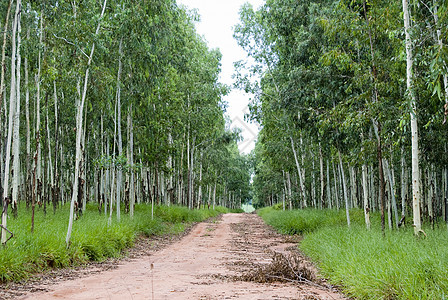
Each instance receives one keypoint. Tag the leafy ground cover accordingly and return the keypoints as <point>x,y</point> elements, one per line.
<point>94,237</point>
<point>368,264</point>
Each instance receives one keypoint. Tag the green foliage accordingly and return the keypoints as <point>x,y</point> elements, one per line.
<point>94,238</point>
<point>323,72</point>
<point>368,264</point>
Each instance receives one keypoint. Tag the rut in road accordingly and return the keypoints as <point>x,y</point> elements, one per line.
<point>237,257</point>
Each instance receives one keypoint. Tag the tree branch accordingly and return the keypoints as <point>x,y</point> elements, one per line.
<point>70,43</point>
<point>12,234</point>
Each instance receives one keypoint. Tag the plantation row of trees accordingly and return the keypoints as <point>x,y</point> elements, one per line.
<point>112,101</point>
<point>352,97</point>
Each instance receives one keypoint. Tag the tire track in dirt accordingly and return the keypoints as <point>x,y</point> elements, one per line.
<point>227,259</point>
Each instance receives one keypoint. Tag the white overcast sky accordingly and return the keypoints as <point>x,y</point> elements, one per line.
<point>218,17</point>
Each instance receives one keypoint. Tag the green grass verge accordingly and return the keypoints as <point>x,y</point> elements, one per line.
<point>366,264</point>
<point>94,238</point>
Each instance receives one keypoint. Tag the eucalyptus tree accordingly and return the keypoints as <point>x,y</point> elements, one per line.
<point>14,109</point>
<point>79,129</point>
<point>414,126</point>
<point>117,64</point>
<point>330,73</point>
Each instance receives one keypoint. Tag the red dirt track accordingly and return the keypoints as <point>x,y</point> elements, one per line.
<point>208,263</point>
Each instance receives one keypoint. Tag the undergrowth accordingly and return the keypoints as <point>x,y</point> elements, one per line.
<point>368,264</point>
<point>94,236</point>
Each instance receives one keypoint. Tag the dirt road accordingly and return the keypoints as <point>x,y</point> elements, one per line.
<point>232,258</point>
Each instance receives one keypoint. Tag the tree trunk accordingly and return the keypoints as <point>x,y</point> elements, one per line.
<point>299,172</point>
<point>38,162</point>
<point>16,132</point>
<point>344,187</point>
<point>2,95</point>
<point>214,196</point>
<point>131,162</point>
<point>393,202</point>
<point>200,183</point>
<point>377,129</point>
<point>12,110</point>
<point>336,194</point>
<point>191,178</point>
<point>365,196</point>
<point>404,186</point>
<point>28,132</point>
<point>120,142</point>
<point>56,147</point>
<point>414,126</point>
<point>80,109</point>
<point>322,178</point>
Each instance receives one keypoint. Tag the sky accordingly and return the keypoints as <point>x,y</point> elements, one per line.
<point>216,26</point>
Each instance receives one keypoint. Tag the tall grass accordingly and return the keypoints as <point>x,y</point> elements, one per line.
<point>368,264</point>
<point>308,220</point>
<point>94,237</point>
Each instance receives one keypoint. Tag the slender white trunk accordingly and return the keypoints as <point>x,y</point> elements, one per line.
<point>403,184</point>
<point>49,147</point>
<point>38,80</point>
<point>152,205</point>
<point>112,168</point>
<point>82,171</point>
<point>188,171</point>
<point>12,110</point>
<point>365,190</point>
<point>131,163</point>
<point>16,137</point>
<point>365,196</point>
<point>120,142</point>
<point>191,178</point>
<point>28,130</point>
<point>344,187</point>
<point>200,183</point>
<point>414,126</point>
<point>299,172</point>
<point>56,132</point>
<point>431,193</point>
<point>214,196</point>
<point>336,194</point>
<point>170,167</point>
<point>80,109</point>
<point>392,201</point>
<point>180,177</point>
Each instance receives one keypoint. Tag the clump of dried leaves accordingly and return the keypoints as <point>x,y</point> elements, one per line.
<point>283,268</point>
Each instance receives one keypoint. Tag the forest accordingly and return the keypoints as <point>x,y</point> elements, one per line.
<point>114,103</point>
<point>352,99</point>
<point>113,127</point>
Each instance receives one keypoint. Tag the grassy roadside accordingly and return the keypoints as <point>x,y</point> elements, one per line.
<point>93,237</point>
<point>365,263</point>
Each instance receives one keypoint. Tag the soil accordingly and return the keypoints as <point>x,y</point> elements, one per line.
<point>235,257</point>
